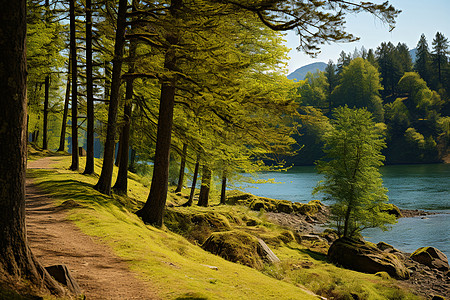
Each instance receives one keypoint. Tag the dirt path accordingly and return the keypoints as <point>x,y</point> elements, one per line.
<point>54,240</point>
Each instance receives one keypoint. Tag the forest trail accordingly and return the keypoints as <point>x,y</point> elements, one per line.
<point>55,240</point>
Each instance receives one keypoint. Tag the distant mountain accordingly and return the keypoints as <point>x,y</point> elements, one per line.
<point>300,73</point>
<point>413,54</point>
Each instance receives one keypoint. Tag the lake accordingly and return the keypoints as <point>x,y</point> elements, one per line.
<point>425,187</point>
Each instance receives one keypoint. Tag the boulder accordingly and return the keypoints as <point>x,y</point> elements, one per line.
<point>385,247</point>
<point>392,210</point>
<point>363,257</point>
<point>240,247</point>
<point>431,257</point>
<point>61,274</point>
<point>285,206</point>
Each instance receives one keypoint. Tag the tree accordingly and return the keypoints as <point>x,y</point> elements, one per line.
<point>389,67</point>
<point>16,259</point>
<point>104,182</point>
<point>182,167</point>
<point>313,25</point>
<point>440,52</point>
<point>352,179</point>
<point>359,87</point>
<point>422,65</point>
<point>332,78</point>
<point>89,168</point>
<point>73,51</point>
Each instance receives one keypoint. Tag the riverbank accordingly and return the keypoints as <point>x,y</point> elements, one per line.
<point>425,281</point>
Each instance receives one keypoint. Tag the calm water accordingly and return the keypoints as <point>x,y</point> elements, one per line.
<point>425,187</point>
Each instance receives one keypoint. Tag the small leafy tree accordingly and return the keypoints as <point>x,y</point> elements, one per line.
<point>352,179</point>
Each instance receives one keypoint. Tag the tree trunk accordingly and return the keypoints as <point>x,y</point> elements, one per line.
<point>153,210</point>
<point>347,221</point>
<point>194,183</point>
<point>73,52</point>
<point>62,139</point>
<point>46,95</point>
<point>89,169</point>
<point>104,183</point>
<point>182,167</point>
<point>132,165</point>
<point>16,259</point>
<point>121,184</point>
<point>223,193</point>
<point>119,150</point>
<point>203,198</point>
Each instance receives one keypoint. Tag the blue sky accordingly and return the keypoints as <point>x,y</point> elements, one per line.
<point>417,17</point>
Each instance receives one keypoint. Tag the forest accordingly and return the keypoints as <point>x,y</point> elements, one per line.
<point>409,99</point>
<point>195,91</point>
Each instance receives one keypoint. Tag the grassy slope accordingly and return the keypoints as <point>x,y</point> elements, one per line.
<point>177,268</point>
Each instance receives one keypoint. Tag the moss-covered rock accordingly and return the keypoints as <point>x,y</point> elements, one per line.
<point>195,226</point>
<point>285,206</point>
<point>309,209</point>
<point>392,210</point>
<point>431,257</point>
<point>236,246</point>
<point>286,236</point>
<point>363,257</point>
<point>266,204</point>
<point>385,247</point>
<point>238,197</point>
<point>383,275</point>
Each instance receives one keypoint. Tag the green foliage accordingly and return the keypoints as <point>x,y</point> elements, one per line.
<point>359,88</point>
<point>352,180</point>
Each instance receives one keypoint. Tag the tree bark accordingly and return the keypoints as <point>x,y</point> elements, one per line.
<point>16,259</point>
<point>119,150</point>
<point>104,183</point>
<point>194,183</point>
<point>89,168</point>
<point>46,95</point>
<point>132,165</point>
<point>121,185</point>
<point>182,167</point>
<point>153,210</point>
<point>223,193</point>
<point>62,139</point>
<point>73,52</point>
<point>203,198</point>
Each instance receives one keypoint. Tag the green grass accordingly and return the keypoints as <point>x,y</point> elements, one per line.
<point>178,268</point>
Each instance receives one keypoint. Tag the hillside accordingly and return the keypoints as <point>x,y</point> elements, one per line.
<point>171,260</point>
<point>300,73</point>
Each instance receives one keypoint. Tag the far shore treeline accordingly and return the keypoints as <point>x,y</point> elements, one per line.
<point>409,98</point>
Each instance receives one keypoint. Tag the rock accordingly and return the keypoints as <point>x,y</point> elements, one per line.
<point>330,235</point>
<point>211,267</point>
<point>267,253</point>
<point>310,209</point>
<point>385,247</point>
<point>285,207</point>
<point>363,257</point>
<point>236,246</point>
<point>392,210</point>
<point>61,274</point>
<point>437,297</point>
<point>313,238</point>
<point>431,257</point>
<point>383,275</point>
